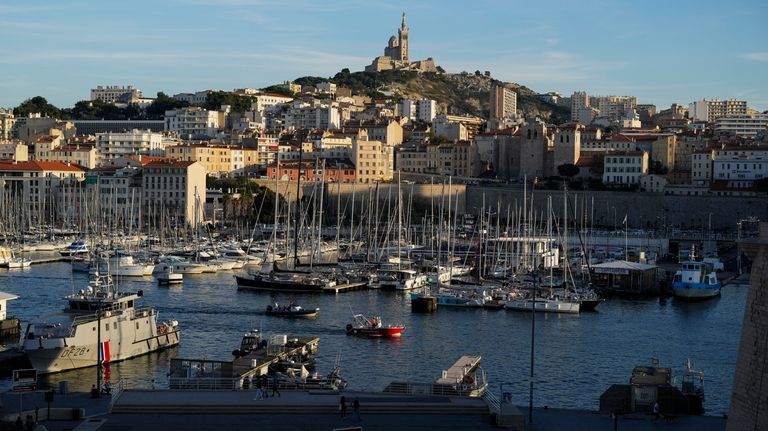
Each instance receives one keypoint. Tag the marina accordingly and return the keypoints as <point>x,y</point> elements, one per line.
<point>212,314</point>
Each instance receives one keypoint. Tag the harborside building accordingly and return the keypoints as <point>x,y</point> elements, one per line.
<point>33,184</point>
<point>173,189</point>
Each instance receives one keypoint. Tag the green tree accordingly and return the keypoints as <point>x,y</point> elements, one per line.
<point>568,170</point>
<point>37,104</point>
<point>657,168</point>
<point>237,103</point>
<point>162,103</point>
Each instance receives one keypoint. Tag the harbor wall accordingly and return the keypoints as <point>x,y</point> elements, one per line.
<point>749,400</point>
<point>604,208</point>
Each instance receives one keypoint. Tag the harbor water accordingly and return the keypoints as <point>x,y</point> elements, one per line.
<point>577,357</point>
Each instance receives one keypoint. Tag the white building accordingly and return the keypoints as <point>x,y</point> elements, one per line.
<point>701,167</point>
<point>14,151</point>
<point>747,126</point>
<point>374,161</point>
<point>503,103</point>
<point>313,116</point>
<point>7,120</point>
<point>567,144</point>
<point>740,166</point>
<point>115,93</point>
<point>631,120</point>
<point>113,145</point>
<point>579,100</point>
<point>196,98</point>
<point>710,110</point>
<point>622,169</point>
<point>422,109</point>
<point>326,87</point>
<point>192,122</point>
<point>174,189</point>
<point>653,183</point>
<point>269,101</point>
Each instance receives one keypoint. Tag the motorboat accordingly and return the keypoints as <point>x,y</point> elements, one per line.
<point>99,325</point>
<point>696,281</point>
<point>373,327</point>
<point>290,310</point>
<point>398,279</point>
<point>547,305</point>
<point>169,276</point>
<point>75,248</point>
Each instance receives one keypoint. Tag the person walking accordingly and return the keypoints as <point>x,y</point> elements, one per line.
<point>275,383</point>
<point>342,406</point>
<point>257,384</point>
<point>356,409</point>
<point>656,411</point>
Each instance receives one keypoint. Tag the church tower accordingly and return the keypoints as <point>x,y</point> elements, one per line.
<point>403,39</point>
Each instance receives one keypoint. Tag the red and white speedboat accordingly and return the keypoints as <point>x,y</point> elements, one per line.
<point>373,327</point>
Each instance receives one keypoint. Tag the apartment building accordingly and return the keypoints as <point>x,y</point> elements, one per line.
<point>193,122</point>
<point>115,93</point>
<point>746,126</point>
<point>215,159</point>
<point>710,110</point>
<point>503,102</point>
<point>35,183</point>
<point>14,151</point>
<point>145,142</point>
<point>374,160</point>
<point>623,169</point>
<point>174,189</point>
<point>739,167</point>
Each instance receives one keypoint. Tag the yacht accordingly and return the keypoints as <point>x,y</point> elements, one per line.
<point>76,248</point>
<point>99,324</point>
<point>546,305</point>
<point>398,279</point>
<point>179,265</point>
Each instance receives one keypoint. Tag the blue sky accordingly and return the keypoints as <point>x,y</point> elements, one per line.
<point>660,51</point>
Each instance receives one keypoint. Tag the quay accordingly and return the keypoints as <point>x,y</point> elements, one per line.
<point>163,410</point>
<point>349,287</point>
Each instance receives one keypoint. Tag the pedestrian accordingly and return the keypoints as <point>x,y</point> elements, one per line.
<point>656,411</point>
<point>94,392</point>
<point>257,384</point>
<point>275,382</point>
<point>356,409</point>
<point>264,386</point>
<point>342,406</point>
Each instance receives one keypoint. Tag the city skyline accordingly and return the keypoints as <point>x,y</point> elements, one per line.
<point>662,53</point>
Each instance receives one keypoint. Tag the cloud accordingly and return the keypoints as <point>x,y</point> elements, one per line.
<point>755,56</point>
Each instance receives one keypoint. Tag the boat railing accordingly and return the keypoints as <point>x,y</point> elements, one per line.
<point>436,389</point>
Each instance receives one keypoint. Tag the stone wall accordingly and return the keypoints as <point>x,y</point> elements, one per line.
<point>643,210</point>
<point>749,401</point>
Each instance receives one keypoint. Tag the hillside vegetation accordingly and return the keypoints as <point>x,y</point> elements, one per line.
<point>456,93</point>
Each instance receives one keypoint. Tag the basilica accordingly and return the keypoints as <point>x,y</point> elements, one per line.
<point>396,55</point>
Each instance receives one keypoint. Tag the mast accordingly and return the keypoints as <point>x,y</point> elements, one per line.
<point>298,205</point>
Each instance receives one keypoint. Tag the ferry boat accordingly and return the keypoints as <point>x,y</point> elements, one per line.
<point>696,281</point>
<point>99,322</point>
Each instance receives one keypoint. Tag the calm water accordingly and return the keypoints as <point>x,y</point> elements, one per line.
<point>577,357</point>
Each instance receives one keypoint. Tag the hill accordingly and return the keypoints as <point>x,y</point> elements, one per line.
<point>456,93</point>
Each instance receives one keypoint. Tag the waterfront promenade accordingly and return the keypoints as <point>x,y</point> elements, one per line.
<point>203,410</point>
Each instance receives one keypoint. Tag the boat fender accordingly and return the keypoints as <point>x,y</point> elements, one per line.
<point>162,329</point>
<point>349,328</point>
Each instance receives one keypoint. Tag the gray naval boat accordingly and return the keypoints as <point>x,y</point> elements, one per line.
<point>99,322</point>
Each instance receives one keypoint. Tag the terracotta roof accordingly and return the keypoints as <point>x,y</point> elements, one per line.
<point>46,139</point>
<point>39,166</point>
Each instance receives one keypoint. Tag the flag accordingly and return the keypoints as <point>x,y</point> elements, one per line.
<point>104,346</point>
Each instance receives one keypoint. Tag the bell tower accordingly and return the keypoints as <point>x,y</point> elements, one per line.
<point>402,34</point>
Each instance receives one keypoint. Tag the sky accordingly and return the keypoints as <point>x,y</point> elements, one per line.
<point>663,52</point>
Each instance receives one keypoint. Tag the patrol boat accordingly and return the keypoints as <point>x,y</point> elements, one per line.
<point>696,281</point>
<point>99,322</point>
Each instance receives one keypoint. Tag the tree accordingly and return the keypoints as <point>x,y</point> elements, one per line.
<point>162,103</point>
<point>37,104</point>
<point>215,99</point>
<point>568,170</point>
<point>657,168</point>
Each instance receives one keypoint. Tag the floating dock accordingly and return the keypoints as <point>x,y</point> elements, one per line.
<point>194,374</point>
<point>340,288</point>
